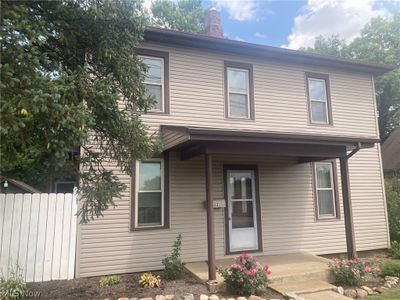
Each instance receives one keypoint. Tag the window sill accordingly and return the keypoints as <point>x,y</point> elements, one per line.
<point>330,219</point>
<point>239,119</point>
<point>156,113</point>
<point>148,228</point>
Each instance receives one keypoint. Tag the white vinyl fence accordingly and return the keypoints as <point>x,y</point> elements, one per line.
<point>38,233</point>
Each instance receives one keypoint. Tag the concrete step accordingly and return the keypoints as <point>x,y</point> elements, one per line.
<point>320,274</point>
<point>324,295</point>
<point>301,287</point>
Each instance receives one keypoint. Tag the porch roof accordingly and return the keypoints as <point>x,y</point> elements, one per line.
<point>193,141</point>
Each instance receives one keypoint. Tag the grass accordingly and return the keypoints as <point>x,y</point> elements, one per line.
<point>393,294</point>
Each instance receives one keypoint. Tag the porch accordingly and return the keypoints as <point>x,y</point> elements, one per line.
<point>285,268</point>
<point>209,144</point>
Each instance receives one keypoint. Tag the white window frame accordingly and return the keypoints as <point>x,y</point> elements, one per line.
<point>332,188</point>
<point>137,191</point>
<point>161,59</point>
<point>229,93</point>
<point>318,100</point>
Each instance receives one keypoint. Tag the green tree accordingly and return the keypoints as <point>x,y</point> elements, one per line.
<point>182,15</point>
<point>379,43</point>
<point>393,205</point>
<point>70,79</point>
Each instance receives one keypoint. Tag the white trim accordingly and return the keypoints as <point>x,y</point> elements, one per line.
<point>318,100</point>
<point>137,178</point>
<point>230,201</point>
<point>162,83</point>
<point>332,188</point>
<point>247,94</point>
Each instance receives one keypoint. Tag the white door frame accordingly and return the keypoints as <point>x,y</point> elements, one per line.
<point>254,242</point>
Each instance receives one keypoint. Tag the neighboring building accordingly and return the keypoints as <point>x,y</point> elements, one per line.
<point>283,144</point>
<point>8,185</point>
<point>391,153</point>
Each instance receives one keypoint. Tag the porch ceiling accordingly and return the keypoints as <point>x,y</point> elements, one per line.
<point>193,141</point>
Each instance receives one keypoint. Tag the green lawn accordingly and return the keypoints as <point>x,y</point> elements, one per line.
<point>393,294</point>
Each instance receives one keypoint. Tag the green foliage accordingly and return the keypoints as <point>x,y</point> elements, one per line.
<point>391,268</point>
<point>70,79</point>
<point>174,267</point>
<point>349,272</point>
<point>148,280</point>
<point>395,249</point>
<point>393,206</point>
<point>379,43</point>
<point>14,287</point>
<point>246,276</point>
<point>109,280</point>
<point>182,15</point>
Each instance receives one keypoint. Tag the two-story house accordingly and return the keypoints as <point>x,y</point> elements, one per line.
<point>265,150</point>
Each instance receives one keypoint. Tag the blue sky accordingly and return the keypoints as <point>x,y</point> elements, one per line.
<point>297,23</point>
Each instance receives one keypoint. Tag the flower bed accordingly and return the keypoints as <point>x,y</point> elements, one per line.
<point>246,276</point>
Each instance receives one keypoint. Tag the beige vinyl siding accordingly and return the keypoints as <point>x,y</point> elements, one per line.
<point>287,206</point>
<point>280,98</point>
<point>106,246</point>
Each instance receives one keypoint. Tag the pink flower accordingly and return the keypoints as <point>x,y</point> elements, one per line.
<point>236,266</point>
<point>244,254</point>
<point>267,270</point>
<point>356,272</point>
<point>367,269</point>
<point>247,272</point>
<point>243,260</point>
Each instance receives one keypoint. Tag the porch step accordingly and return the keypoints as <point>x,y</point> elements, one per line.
<point>302,287</point>
<point>324,295</point>
<point>299,277</point>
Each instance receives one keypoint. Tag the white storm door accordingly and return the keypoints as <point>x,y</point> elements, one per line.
<point>242,216</point>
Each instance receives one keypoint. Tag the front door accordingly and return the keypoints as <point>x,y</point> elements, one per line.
<point>242,210</point>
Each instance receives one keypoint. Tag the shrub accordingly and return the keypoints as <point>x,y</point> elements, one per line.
<point>14,287</point>
<point>395,249</point>
<point>174,267</point>
<point>391,268</point>
<point>109,280</point>
<point>393,206</point>
<point>246,276</point>
<point>349,272</point>
<point>148,280</point>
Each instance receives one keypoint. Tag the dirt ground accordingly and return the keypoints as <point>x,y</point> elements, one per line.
<point>89,288</point>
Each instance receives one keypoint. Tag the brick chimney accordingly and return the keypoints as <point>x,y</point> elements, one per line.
<point>212,23</point>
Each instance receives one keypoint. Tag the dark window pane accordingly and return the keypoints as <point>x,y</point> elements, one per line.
<point>149,176</point>
<point>154,72</point>
<point>156,92</point>
<point>242,214</point>
<point>238,105</point>
<point>242,187</point>
<point>325,203</point>
<point>317,89</point>
<point>323,176</point>
<point>149,208</point>
<point>318,112</point>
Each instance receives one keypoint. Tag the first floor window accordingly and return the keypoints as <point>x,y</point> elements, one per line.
<point>149,193</point>
<point>325,190</point>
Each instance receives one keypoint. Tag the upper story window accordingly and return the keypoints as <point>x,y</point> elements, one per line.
<point>239,102</point>
<point>325,190</point>
<point>157,78</point>
<point>319,98</point>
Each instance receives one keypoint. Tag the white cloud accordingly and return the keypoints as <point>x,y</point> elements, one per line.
<point>260,35</point>
<point>327,17</point>
<point>238,38</point>
<point>240,10</point>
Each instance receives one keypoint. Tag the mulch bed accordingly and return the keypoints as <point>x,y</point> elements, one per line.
<point>89,288</point>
